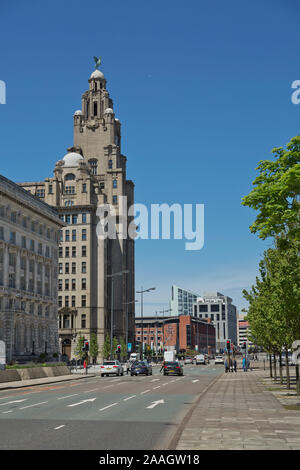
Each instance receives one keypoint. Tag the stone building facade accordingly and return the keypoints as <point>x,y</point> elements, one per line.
<point>91,174</point>
<point>29,231</point>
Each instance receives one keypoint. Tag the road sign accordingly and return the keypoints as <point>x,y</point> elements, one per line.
<point>129,346</point>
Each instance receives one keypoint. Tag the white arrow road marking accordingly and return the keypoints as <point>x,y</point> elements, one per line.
<point>109,406</point>
<point>15,401</point>
<point>30,406</point>
<point>193,381</point>
<point>155,403</point>
<point>82,401</point>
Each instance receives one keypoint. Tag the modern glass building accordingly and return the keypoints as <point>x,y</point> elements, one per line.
<point>182,301</point>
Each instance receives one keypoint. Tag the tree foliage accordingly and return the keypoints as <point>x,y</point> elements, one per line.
<point>276,194</point>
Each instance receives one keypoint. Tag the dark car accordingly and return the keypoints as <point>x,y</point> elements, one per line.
<point>141,367</point>
<point>173,368</point>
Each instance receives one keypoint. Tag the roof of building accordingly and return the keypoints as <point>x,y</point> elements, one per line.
<point>72,159</point>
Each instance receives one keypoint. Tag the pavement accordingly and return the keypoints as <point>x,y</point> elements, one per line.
<point>42,381</point>
<point>244,410</point>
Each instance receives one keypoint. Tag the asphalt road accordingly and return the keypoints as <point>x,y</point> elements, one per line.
<point>121,413</point>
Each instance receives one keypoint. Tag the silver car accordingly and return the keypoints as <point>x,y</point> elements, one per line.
<point>111,367</point>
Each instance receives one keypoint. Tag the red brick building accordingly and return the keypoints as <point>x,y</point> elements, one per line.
<point>181,333</point>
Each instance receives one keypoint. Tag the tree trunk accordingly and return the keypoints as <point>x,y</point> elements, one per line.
<point>297,380</point>
<point>270,362</point>
<point>280,369</point>
<point>288,382</point>
<point>275,370</point>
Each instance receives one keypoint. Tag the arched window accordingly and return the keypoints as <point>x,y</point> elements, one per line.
<point>93,164</point>
<point>70,177</point>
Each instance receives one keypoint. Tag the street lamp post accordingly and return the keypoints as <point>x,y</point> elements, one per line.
<point>142,312</point>
<point>112,276</point>
<point>126,328</point>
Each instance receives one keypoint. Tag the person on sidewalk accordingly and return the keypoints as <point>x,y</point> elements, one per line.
<point>226,366</point>
<point>128,365</point>
<point>162,366</point>
<point>234,365</point>
<point>244,365</point>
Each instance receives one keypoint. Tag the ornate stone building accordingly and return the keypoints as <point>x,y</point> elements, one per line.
<point>92,173</point>
<point>29,231</point>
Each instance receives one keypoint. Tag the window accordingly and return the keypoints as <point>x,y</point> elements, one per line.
<point>73,251</point>
<point>83,321</point>
<point>115,200</point>
<point>67,253</point>
<point>73,284</point>
<point>83,284</point>
<point>68,219</point>
<point>60,301</point>
<point>50,189</point>
<point>67,268</point>
<point>74,219</point>
<point>83,234</point>
<point>203,308</point>
<point>67,284</point>
<point>60,268</point>
<point>73,235</point>
<point>69,203</point>
<point>60,284</point>
<point>110,164</point>
<point>83,267</point>
<point>67,301</point>
<point>70,190</point>
<point>83,217</point>
<point>83,250</point>
<point>23,242</point>
<point>60,252</point>
<point>84,188</point>
<point>40,193</point>
<point>83,301</point>
<point>12,237</point>
<point>70,177</point>
<point>115,184</point>
<point>73,300</point>
<point>67,235</point>
<point>214,308</point>
<point>94,166</point>
<point>73,268</point>
<point>95,108</point>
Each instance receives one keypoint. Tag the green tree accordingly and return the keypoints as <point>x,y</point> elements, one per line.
<point>79,353</point>
<point>105,351</point>
<point>276,195</point>
<point>94,348</point>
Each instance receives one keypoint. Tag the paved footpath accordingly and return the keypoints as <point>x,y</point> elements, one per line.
<point>239,412</point>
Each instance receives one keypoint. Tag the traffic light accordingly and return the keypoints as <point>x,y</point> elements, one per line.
<point>228,344</point>
<point>244,345</point>
<point>119,349</point>
<point>86,345</point>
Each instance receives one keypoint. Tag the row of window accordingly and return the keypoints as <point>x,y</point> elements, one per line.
<point>24,243</point>
<point>26,307</point>
<point>67,321</point>
<point>27,223</point>
<point>73,219</point>
<point>73,268</point>
<point>73,252</point>
<point>71,285</point>
<point>71,302</point>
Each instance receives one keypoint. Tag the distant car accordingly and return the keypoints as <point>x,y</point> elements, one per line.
<point>141,367</point>
<point>173,368</point>
<point>200,359</point>
<point>219,360</point>
<point>188,360</point>
<point>111,367</point>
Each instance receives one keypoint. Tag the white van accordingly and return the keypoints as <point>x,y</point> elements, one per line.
<point>200,359</point>
<point>134,357</point>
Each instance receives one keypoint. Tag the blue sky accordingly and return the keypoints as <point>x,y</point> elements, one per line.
<point>203,91</point>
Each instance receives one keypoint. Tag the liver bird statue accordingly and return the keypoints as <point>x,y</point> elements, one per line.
<point>97,62</point>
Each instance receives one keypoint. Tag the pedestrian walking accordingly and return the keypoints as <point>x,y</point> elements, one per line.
<point>162,366</point>
<point>244,365</point>
<point>226,365</point>
<point>127,367</point>
<point>234,365</point>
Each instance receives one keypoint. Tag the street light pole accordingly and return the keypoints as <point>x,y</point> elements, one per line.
<point>142,313</point>
<point>126,339</point>
<point>112,276</point>
<point>163,311</point>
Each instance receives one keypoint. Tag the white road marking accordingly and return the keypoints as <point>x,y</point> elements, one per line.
<point>194,381</point>
<point>156,387</point>
<point>129,398</point>
<point>14,401</point>
<point>59,427</point>
<point>82,402</point>
<point>94,389</point>
<point>108,386</point>
<point>68,396</point>
<point>154,380</point>
<point>109,406</point>
<point>30,406</point>
<point>146,391</point>
<point>155,403</point>
<point>4,412</point>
